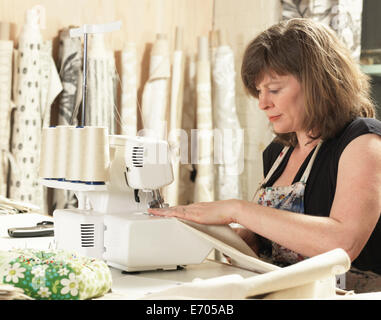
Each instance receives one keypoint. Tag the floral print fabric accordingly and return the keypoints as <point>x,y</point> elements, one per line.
<point>54,275</point>
<point>289,198</point>
<point>342,16</point>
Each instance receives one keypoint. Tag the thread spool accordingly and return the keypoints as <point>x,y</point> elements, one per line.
<point>96,155</point>
<point>48,153</point>
<point>75,159</point>
<point>62,151</point>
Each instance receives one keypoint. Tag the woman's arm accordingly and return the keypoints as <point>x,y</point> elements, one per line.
<point>354,213</point>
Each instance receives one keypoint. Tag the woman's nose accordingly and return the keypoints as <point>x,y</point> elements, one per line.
<point>264,101</point>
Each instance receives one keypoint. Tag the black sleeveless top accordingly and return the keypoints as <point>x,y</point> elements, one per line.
<point>321,184</point>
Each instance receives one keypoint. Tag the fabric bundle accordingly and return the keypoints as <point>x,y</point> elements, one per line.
<point>101,84</point>
<point>6,52</point>
<point>187,169</point>
<point>229,135</point>
<point>176,139</point>
<point>8,292</point>
<point>343,16</point>
<point>70,71</point>
<point>8,206</point>
<point>129,90</point>
<point>156,90</point>
<point>54,274</point>
<point>51,84</point>
<point>313,278</point>
<point>204,185</point>
<point>34,69</point>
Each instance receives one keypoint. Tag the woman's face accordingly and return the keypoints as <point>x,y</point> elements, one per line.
<point>282,99</point>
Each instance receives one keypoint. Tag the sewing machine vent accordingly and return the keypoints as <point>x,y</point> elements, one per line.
<point>137,156</point>
<point>87,235</point>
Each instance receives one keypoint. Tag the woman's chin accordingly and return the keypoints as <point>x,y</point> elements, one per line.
<point>280,130</point>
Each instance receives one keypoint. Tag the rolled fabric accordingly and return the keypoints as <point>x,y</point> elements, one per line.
<point>155,97</point>
<point>129,90</point>
<point>51,84</point>
<point>70,65</point>
<point>6,52</point>
<point>26,129</point>
<point>32,108</point>
<point>204,187</point>
<point>186,181</point>
<point>171,192</point>
<point>101,84</point>
<point>230,149</point>
<point>308,279</point>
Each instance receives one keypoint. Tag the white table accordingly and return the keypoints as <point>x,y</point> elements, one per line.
<point>125,286</point>
<point>23,220</point>
<point>132,285</point>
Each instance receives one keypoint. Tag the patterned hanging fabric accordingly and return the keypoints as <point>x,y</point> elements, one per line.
<point>343,16</point>
<point>51,84</point>
<point>228,151</point>
<point>6,52</point>
<point>101,84</point>
<point>70,72</point>
<point>32,103</point>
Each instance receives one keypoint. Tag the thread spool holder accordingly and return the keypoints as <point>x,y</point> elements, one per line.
<point>82,190</point>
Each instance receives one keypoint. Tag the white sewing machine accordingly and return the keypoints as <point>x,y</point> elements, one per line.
<point>111,221</point>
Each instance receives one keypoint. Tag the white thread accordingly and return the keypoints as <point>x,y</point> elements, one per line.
<point>48,153</point>
<point>62,150</point>
<point>74,168</point>
<point>96,154</point>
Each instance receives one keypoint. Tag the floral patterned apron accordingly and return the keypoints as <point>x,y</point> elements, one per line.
<point>290,198</point>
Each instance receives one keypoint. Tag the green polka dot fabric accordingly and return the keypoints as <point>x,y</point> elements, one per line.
<point>54,274</point>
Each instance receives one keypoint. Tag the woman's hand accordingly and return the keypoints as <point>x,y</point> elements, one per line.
<point>217,212</point>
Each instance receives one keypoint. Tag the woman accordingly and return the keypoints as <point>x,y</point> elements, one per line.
<point>322,186</point>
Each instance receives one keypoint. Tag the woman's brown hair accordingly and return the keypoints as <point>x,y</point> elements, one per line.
<point>335,89</point>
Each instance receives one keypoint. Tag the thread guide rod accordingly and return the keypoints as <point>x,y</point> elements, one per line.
<point>84,82</point>
<point>85,30</point>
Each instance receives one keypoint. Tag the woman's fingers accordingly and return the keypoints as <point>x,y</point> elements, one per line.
<point>177,211</point>
<point>217,212</point>
<point>199,213</point>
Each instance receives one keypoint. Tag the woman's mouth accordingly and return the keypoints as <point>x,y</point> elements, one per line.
<point>274,118</point>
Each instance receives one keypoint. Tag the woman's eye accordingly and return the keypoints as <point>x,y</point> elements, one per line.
<point>273,91</point>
